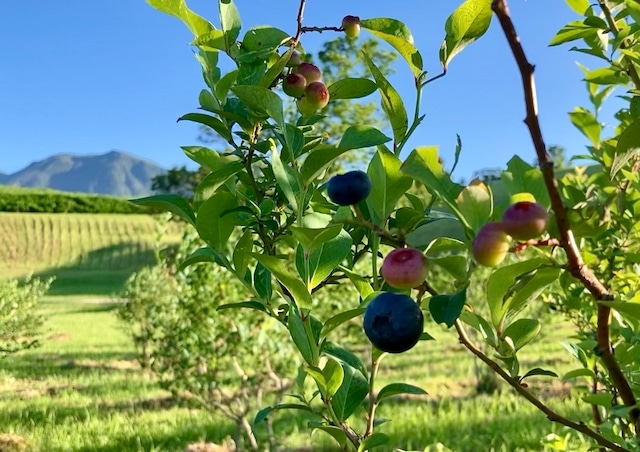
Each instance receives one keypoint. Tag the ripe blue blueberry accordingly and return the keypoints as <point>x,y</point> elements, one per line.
<point>349,188</point>
<point>393,322</point>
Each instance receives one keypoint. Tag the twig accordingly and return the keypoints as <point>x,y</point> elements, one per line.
<point>576,266</point>
<point>524,392</point>
<point>299,19</point>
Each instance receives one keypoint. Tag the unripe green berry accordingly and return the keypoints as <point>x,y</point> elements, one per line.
<point>351,26</point>
<point>310,72</point>
<point>490,245</point>
<point>294,85</point>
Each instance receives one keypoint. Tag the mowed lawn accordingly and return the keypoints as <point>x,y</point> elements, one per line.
<point>83,391</point>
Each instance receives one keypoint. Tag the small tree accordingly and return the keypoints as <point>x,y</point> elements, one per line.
<point>20,320</point>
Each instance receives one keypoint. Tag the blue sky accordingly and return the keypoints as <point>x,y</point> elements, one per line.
<point>87,77</point>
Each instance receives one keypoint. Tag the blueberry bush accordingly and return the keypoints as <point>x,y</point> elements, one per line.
<point>274,217</point>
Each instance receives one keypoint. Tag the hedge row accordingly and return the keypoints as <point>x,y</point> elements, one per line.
<point>14,199</point>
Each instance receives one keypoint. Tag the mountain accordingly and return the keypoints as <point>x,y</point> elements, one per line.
<point>114,173</point>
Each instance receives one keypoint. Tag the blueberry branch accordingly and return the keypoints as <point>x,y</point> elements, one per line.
<point>524,392</point>
<point>577,266</point>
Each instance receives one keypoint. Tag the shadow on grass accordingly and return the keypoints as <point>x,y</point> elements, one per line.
<point>101,272</point>
<point>46,365</point>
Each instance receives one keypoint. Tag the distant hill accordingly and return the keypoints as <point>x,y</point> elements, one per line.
<point>115,173</point>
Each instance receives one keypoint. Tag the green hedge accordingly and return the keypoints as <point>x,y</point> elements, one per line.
<point>18,199</point>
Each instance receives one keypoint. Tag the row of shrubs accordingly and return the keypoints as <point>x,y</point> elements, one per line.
<point>13,199</point>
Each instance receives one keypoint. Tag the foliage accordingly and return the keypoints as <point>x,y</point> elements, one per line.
<point>202,355</point>
<point>180,181</point>
<point>265,218</point>
<point>20,319</point>
<point>40,200</point>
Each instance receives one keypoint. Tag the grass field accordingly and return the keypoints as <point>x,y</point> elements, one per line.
<point>82,390</point>
<point>89,254</point>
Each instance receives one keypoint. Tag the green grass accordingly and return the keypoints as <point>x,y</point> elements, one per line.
<point>82,391</point>
<point>87,253</point>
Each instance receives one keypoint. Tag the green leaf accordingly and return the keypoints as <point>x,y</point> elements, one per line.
<point>396,34</point>
<point>629,139</point>
<point>207,101</point>
<point>205,254</point>
<point>218,126</point>
<point>447,308</point>
<point>211,41</point>
<point>213,226</point>
<point>572,374</point>
<point>344,356</point>
<point>588,124</point>
<point>620,160</point>
<point>522,331</point>
<point>466,24</point>
<point>389,184</point>
<point>311,238</point>
<point>265,412</point>
<point>361,284</point>
<point>633,8</point>
<point>391,102</point>
<point>573,31</point>
<point>283,274</point>
<point>475,204</point>
<point>302,337</point>
<point>242,253</point>
<point>393,389</point>
<point>351,88</point>
<point>318,161</point>
<point>521,177</point>
<point>579,6</point>
<point>335,432</point>
<point>264,38</point>
<point>374,440</point>
<point>287,180</point>
<point>171,203</point>
<point>339,319</point>
<point>203,155</point>
<point>294,141</point>
<point>352,393</point>
<point>230,22</point>
<point>529,287</point>
<point>252,304</point>
<point>499,283</point>
<point>333,375</point>
<point>625,308</point>
<point>482,326</point>
<point>261,100</point>
<point>274,71</point>
<point>540,372</point>
<point>604,399</point>
<point>327,257</point>
<point>262,282</point>
<point>456,265</point>
<point>444,245</point>
<point>361,136</point>
<point>215,179</point>
<point>224,85</point>
<point>424,165</point>
<point>179,9</point>
<point>605,76</point>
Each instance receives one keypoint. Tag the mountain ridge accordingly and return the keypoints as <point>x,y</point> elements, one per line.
<point>116,173</point>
